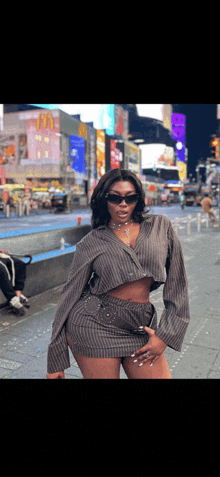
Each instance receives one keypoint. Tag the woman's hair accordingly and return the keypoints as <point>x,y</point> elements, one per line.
<point>98,204</point>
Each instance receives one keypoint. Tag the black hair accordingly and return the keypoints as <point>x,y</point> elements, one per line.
<point>98,203</point>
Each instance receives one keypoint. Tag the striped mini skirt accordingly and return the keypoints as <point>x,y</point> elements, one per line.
<point>102,326</point>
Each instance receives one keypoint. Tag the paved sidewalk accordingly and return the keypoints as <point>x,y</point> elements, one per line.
<point>24,341</point>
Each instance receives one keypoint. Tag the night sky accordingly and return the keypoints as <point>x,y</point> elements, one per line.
<point>201,123</point>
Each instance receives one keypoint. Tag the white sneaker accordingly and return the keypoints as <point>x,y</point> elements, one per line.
<point>24,301</point>
<point>17,307</point>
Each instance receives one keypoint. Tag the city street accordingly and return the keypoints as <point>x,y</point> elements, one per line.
<point>44,220</point>
<point>24,340</point>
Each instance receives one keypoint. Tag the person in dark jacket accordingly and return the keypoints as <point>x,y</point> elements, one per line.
<point>12,280</point>
<point>104,314</point>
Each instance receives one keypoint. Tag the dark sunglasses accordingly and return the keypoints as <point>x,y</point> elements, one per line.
<point>117,199</point>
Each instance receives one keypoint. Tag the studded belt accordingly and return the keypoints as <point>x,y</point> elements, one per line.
<point>108,316</point>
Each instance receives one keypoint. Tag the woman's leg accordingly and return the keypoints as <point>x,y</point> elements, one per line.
<point>5,284</point>
<point>20,274</point>
<point>160,369</point>
<point>96,368</point>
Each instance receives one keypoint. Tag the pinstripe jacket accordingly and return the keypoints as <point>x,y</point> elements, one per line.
<point>107,262</point>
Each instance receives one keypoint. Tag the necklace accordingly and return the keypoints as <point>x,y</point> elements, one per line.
<point>118,227</point>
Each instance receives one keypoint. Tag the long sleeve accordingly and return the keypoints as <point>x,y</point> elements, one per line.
<point>80,271</point>
<point>175,317</point>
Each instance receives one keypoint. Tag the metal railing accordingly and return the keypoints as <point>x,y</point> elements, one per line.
<point>191,225</point>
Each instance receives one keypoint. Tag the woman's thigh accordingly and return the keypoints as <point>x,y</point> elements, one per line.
<point>97,368</point>
<point>160,369</point>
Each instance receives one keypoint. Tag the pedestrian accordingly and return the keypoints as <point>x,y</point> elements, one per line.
<point>207,207</point>
<point>182,200</point>
<point>12,280</point>
<point>104,314</point>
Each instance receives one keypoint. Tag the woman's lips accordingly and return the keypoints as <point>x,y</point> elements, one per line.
<point>122,214</point>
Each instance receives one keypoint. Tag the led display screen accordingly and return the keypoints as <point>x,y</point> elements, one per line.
<point>77,154</point>
<point>178,133</point>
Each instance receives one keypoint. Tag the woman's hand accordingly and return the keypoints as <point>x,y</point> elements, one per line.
<point>152,350</point>
<point>58,375</point>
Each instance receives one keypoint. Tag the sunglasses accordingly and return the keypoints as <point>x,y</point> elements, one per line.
<point>117,199</point>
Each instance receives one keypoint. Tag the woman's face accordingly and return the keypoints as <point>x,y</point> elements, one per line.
<point>121,213</point>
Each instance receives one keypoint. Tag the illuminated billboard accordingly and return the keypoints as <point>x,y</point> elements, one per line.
<point>167,113</point>
<point>100,151</point>
<point>178,133</point>
<point>77,154</point>
<point>121,122</point>
<point>48,106</point>
<point>154,111</point>
<point>1,117</point>
<point>114,158</point>
<point>106,118</point>
<point>156,155</point>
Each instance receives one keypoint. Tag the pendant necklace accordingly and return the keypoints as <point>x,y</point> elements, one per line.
<point>118,227</point>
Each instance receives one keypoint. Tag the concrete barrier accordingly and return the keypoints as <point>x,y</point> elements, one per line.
<point>50,268</point>
<point>46,271</point>
<point>34,242</point>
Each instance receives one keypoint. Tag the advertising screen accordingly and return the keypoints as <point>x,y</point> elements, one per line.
<point>155,155</point>
<point>115,161</point>
<point>106,118</point>
<point>167,113</point>
<point>48,106</point>
<point>100,149</point>
<point>1,117</point>
<point>77,154</point>
<point>121,122</point>
<point>154,111</point>
<point>178,133</point>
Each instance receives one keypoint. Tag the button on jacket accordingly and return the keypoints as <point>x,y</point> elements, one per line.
<point>103,260</point>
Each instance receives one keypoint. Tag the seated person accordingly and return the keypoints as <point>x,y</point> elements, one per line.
<point>12,279</point>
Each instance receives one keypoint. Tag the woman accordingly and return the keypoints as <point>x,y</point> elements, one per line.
<point>104,313</point>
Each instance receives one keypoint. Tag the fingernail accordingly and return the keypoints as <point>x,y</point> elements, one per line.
<point>141,364</point>
<point>140,327</point>
<point>135,361</point>
<point>132,355</point>
<point>151,364</point>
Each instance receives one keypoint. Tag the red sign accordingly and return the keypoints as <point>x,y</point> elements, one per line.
<point>3,176</point>
<point>115,163</point>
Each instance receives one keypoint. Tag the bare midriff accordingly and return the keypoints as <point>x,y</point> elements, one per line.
<point>138,291</point>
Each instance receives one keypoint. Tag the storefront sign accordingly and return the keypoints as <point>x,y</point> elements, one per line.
<point>43,140</point>
<point>45,117</point>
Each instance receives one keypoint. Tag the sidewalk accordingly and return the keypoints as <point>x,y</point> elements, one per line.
<point>24,341</point>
